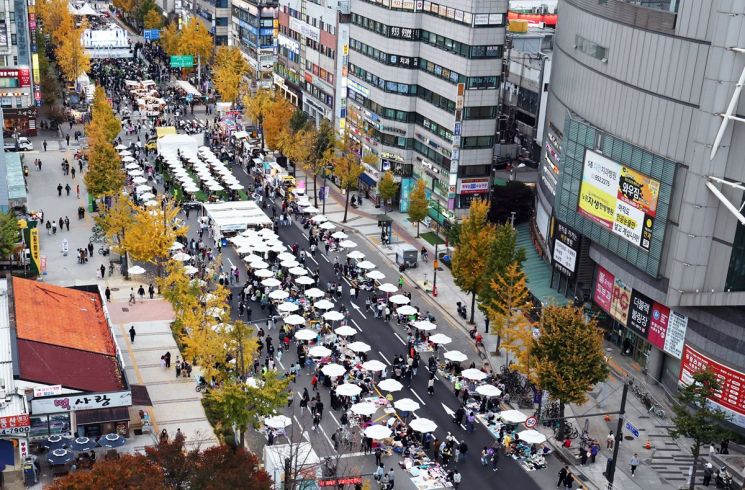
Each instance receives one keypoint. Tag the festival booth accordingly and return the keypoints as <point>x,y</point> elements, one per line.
<point>111,42</point>
<point>186,89</point>
<point>228,218</point>
<point>183,142</point>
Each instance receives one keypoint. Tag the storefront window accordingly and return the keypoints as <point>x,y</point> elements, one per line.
<point>48,425</point>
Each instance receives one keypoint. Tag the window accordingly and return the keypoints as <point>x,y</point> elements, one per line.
<point>19,102</point>
<point>480,112</point>
<point>6,102</point>
<point>470,142</point>
<point>480,83</point>
<point>13,39</point>
<point>590,48</point>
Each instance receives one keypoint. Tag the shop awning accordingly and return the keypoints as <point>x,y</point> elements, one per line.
<point>537,270</point>
<point>366,179</point>
<point>140,396</point>
<point>102,415</point>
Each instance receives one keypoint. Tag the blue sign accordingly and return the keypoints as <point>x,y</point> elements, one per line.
<point>632,429</point>
<point>151,34</point>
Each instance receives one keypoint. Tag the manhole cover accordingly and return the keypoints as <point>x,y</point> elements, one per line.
<point>629,438</point>
<point>125,309</point>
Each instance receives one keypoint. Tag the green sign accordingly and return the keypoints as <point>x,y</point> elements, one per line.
<point>182,61</point>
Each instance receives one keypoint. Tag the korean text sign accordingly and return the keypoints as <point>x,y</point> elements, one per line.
<point>88,401</point>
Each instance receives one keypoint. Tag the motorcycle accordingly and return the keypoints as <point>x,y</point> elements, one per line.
<point>724,479</point>
<point>462,311</point>
<point>103,250</point>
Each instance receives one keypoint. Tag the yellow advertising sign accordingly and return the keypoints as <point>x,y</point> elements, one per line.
<point>639,190</point>
<point>34,246</point>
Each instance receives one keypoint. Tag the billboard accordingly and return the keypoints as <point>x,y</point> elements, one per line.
<point>731,397</point>
<point>618,198</point>
<point>620,301</point>
<point>604,289</point>
<point>566,249</point>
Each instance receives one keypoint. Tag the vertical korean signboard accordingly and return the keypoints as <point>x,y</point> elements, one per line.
<point>566,249</point>
<point>604,289</point>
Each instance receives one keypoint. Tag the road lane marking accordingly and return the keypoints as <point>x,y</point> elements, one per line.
<point>399,338</point>
<point>384,358</point>
<point>418,397</point>
<point>355,324</point>
<point>332,416</point>
<point>326,436</point>
<point>325,258</point>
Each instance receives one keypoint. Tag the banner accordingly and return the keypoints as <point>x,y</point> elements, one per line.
<point>619,306</point>
<point>640,313</point>
<point>676,334</point>
<point>618,198</point>
<point>658,325</point>
<point>604,289</point>
<point>731,397</point>
<point>566,249</point>
<point>34,249</point>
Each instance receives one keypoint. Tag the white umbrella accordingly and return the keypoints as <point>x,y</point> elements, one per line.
<point>147,195</point>
<point>334,370</point>
<point>319,218</point>
<point>327,225</point>
<point>279,294</point>
<point>190,269</point>
<point>136,172</point>
<point>340,235</point>
<point>390,384</point>
<point>127,159</point>
<point>488,390</point>
<point>387,287</point>
<point>258,264</point>
<point>424,325</point>
<point>311,209</point>
<point>278,421</point>
<point>422,425</point>
<point>319,351</point>
<point>286,256</point>
<point>271,282</point>
<point>377,275</point>
<point>251,257</point>
<point>473,374</point>
<point>378,432</point>
<point>366,264</point>
<point>263,273</point>
<point>143,188</point>
<point>406,310</point>
<point>215,311</point>
<point>439,338</point>
<point>333,316</point>
<point>177,246</point>
<point>314,293</point>
<point>348,389</point>
<point>136,270</point>
<point>373,365</point>
<point>347,244</point>
<point>298,271</point>
<point>359,347</point>
<point>455,356</point>
<point>306,334</point>
<point>356,255</point>
<point>140,180</point>
<point>532,436</point>
<point>406,404</point>
<point>181,256</point>
<point>305,280</point>
<point>294,320</point>
<point>290,263</point>
<point>151,204</point>
<point>364,408</point>
<point>513,416</point>
<point>345,330</point>
<point>287,307</point>
<point>120,147</point>
<point>124,152</point>
<point>399,299</point>
<point>132,166</point>
<point>323,304</point>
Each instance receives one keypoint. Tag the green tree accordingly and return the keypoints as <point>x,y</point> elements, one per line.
<point>298,121</point>
<point>568,354</point>
<point>9,234</point>
<point>387,188</point>
<point>418,204</point>
<point>257,107</point>
<point>347,169</point>
<point>695,419</point>
<point>502,252</point>
<point>507,309</point>
<point>153,19</point>
<point>142,10</point>
<point>469,259</point>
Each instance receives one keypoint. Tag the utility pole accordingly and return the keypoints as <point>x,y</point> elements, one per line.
<point>435,264</point>
<point>611,470</point>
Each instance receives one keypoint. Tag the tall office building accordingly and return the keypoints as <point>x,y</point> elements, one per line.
<point>640,199</point>
<point>254,30</point>
<point>216,16</point>
<point>313,42</point>
<point>19,97</point>
<point>423,95</point>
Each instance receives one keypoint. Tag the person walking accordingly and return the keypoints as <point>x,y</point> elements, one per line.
<point>103,273</point>
<point>68,189</point>
<point>151,290</point>
<point>45,145</point>
<point>132,296</point>
<point>495,459</point>
<point>391,479</point>
<point>431,386</point>
<point>634,463</point>
<point>562,475</point>
<point>132,334</point>
<point>59,190</point>
<point>67,223</point>
<point>107,293</point>
<point>141,292</point>
<point>456,479</point>
<point>569,480</point>
<point>610,440</point>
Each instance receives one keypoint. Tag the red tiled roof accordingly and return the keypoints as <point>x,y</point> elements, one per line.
<point>71,368</point>
<point>61,316</point>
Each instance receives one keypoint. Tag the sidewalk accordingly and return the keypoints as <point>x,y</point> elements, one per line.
<point>664,466</point>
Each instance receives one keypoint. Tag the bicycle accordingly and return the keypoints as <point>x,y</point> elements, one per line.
<point>657,411</point>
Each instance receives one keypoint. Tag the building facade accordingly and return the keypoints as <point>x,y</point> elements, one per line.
<point>19,67</point>
<point>216,15</point>
<point>254,29</point>
<point>640,198</point>
<point>423,94</point>
<point>313,42</point>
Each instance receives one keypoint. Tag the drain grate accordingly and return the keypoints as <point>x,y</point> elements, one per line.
<point>115,289</point>
<point>125,309</point>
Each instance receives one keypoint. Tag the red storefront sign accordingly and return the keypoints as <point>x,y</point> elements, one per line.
<point>15,424</point>
<point>333,482</point>
<point>732,394</point>
<point>604,289</point>
<point>24,77</point>
<point>658,325</point>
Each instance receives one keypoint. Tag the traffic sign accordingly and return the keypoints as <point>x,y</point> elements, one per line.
<point>531,422</point>
<point>182,61</point>
<point>151,34</point>
<point>632,429</point>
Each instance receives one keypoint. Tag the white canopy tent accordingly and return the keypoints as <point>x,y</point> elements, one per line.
<point>187,87</point>
<point>228,217</point>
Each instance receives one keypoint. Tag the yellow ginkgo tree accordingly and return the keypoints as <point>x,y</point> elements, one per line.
<point>228,73</point>
<point>153,232</point>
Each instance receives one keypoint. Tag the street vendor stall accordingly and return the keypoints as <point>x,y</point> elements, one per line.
<point>235,216</point>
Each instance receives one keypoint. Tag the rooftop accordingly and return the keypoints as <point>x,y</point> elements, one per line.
<point>16,405</point>
<point>61,317</point>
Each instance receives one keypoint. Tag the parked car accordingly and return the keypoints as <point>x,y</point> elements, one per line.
<point>21,144</point>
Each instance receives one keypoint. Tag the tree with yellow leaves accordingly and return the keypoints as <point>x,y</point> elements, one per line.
<point>153,232</point>
<point>115,221</point>
<point>128,6</point>
<point>346,168</point>
<point>508,309</point>
<point>53,14</point>
<point>298,147</point>
<point>470,255</point>
<point>103,118</point>
<point>418,204</point>
<point>72,59</point>
<point>276,120</point>
<point>257,107</point>
<point>387,188</point>
<point>153,19</point>
<point>105,177</point>
<point>196,40</point>
<point>228,73</point>
<point>169,39</point>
